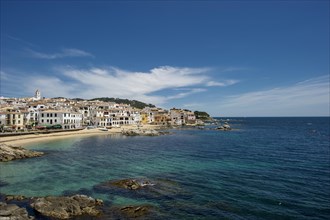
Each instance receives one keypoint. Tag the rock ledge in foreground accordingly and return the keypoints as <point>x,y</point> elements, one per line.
<point>8,153</point>
<point>12,211</point>
<point>62,207</point>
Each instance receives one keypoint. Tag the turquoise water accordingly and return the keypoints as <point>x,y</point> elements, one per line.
<point>266,168</point>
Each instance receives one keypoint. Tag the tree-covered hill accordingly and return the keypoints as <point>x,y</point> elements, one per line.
<point>202,115</point>
<point>133,103</point>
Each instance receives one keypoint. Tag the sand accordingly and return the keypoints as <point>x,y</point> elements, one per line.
<point>23,140</point>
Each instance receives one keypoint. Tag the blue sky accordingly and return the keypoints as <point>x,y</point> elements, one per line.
<point>229,58</point>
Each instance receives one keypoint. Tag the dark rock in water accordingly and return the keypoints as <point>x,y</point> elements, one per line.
<point>141,132</point>
<point>225,127</point>
<point>2,183</point>
<point>139,188</point>
<point>131,184</point>
<point>15,197</point>
<point>13,212</point>
<point>132,211</point>
<point>8,153</point>
<point>67,207</point>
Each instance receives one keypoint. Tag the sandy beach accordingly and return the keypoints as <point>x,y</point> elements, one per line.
<point>23,140</point>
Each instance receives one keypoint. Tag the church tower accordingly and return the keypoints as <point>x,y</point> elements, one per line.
<point>37,95</point>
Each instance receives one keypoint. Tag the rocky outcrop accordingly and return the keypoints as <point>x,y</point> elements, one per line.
<point>141,132</point>
<point>8,153</point>
<point>142,188</point>
<point>62,207</point>
<point>225,127</point>
<point>13,212</point>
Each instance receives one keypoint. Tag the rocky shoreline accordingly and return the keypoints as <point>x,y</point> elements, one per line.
<point>13,211</point>
<point>80,206</point>
<point>77,206</point>
<point>8,153</point>
<point>58,207</point>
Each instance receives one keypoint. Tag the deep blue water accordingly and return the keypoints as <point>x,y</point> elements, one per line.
<point>266,168</point>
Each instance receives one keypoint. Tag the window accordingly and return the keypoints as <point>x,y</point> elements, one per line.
<point>55,120</point>
<point>51,114</point>
<point>42,120</point>
<point>47,114</point>
<point>19,122</point>
<point>47,120</point>
<point>55,114</point>
<point>42,115</point>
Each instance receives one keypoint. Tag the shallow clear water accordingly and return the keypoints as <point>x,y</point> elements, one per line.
<point>274,168</point>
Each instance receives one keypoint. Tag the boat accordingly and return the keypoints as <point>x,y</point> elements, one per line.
<point>103,129</point>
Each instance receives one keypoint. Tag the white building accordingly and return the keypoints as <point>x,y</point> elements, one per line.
<point>2,119</point>
<point>68,120</point>
<point>177,117</point>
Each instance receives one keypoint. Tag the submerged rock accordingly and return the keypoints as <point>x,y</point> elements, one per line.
<point>131,184</point>
<point>13,212</point>
<point>141,188</point>
<point>3,183</point>
<point>8,153</point>
<point>133,211</point>
<point>67,207</point>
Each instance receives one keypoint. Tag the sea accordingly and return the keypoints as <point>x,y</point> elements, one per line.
<point>264,168</point>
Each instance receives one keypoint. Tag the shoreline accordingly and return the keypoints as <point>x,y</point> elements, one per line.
<point>24,140</point>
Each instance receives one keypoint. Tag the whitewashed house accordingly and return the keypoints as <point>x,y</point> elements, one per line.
<point>68,120</point>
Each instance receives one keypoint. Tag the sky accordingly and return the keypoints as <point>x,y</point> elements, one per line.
<point>228,58</point>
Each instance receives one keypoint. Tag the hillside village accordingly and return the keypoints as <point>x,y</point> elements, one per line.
<point>18,114</point>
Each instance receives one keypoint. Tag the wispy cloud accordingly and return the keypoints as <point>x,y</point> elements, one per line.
<point>184,94</point>
<point>115,82</point>
<point>222,84</point>
<point>21,41</point>
<point>233,69</point>
<point>310,97</point>
<point>3,76</point>
<point>67,52</point>
<point>138,85</point>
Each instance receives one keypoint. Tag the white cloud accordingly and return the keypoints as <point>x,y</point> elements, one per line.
<point>67,52</point>
<point>50,85</point>
<point>115,82</point>
<point>310,97</point>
